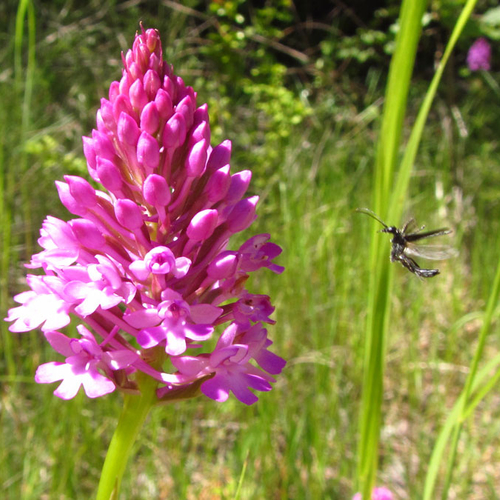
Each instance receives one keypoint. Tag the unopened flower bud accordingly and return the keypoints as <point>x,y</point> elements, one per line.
<point>138,97</point>
<point>156,191</point>
<point>224,265</point>
<point>238,187</point>
<point>202,225</point>
<point>242,215</point>
<point>87,233</point>
<point>148,152</point>
<point>109,174</point>
<point>128,130</point>
<point>128,214</point>
<point>150,118</point>
<point>220,156</point>
<point>196,159</point>
<point>81,190</point>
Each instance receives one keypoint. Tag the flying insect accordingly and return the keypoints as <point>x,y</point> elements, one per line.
<point>404,247</point>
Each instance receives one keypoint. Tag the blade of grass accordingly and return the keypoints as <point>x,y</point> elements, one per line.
<point>25,10</point>
<point>10,174</point>
<point>381,279</point>
<point>379,307</point>
<point>440,445</point>
<point>485,329</point>
<point>404,174</point>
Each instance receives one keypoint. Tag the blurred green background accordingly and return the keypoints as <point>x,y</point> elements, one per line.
<point>298,88</point>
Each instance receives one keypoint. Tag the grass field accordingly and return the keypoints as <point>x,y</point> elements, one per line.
<point>300,440</point>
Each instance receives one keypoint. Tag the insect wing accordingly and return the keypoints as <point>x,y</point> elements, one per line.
<point>427,234</point>
<point>431,252</point>
<point>410,227</point>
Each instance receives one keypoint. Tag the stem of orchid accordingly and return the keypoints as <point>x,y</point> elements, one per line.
<point>134,413</point>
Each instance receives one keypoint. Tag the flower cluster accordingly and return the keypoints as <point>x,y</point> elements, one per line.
<point>479,55</point>
<point>145,265</point>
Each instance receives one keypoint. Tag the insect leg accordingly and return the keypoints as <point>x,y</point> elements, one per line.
<point>413,267</point>
<point>426,273</point>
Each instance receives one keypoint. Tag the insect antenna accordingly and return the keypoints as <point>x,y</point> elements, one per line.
<point>371,214</point>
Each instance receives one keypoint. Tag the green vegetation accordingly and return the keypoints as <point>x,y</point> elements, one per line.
<point>303,111</point>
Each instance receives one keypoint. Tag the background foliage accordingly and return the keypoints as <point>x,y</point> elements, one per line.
<point>298,88</point>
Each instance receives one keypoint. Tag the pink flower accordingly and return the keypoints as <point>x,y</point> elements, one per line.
<point>173,321</point>
<point>84,358</point>
<point>230,361</point>
<point>381,493</point>
<point>479,55</point>
<point>147,261</point>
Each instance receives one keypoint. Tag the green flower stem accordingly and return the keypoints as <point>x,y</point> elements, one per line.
<point>134,413</point>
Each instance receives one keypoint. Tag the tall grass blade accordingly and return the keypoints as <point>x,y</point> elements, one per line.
<point>26,9</point>
<point>440,445</point>
<point>381,278</point>
<point>379,306</point>
<point>404,174</point>
<point>464,411</point>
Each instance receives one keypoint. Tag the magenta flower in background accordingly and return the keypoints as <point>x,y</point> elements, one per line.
<point>479,55</point>
<point>146,267</point>
<point>381,493</point>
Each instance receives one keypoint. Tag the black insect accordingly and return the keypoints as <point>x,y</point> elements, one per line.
<point>403,245</point>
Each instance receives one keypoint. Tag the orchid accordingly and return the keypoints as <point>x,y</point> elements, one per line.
<point>479,55</point>
<point>145,266</point>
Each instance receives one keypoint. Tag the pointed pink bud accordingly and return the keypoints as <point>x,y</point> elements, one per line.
<point>153,40</point>
<point>128,214</point>
<point>184,91</point>
<point>142,57</point>
<point>128,131</point>
<point>156,191</point>
<point>186,109</point>
<point>87,233</point>
<point>202,225</point>
<point>223,266</point>
<point>100,123</point>
<point>152,83</point>
<point>148,152</point>
<point>170,87</point>
<point>202,131</point>
<point>129,56</point>
<point>114,90</point>
<point>174,132</point>
<point>107,115</point>
<point>109,174</point>
<point>154,63</point>
<point>201,114</point>
<point>218,184</point>
<point>196,159</point>
<point>163,104</point>
<point>138,97</point>
<point>81,190</point>
<point>150,118</point>
<point>102,145</point>
<point>68,200</point>
<point>89,152</point>
<point>124,85</point>
<point>134,72</point>
<point>122,105</point>
<point>220,156</point>
<point>242,215</point>
<point>239,184</point>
